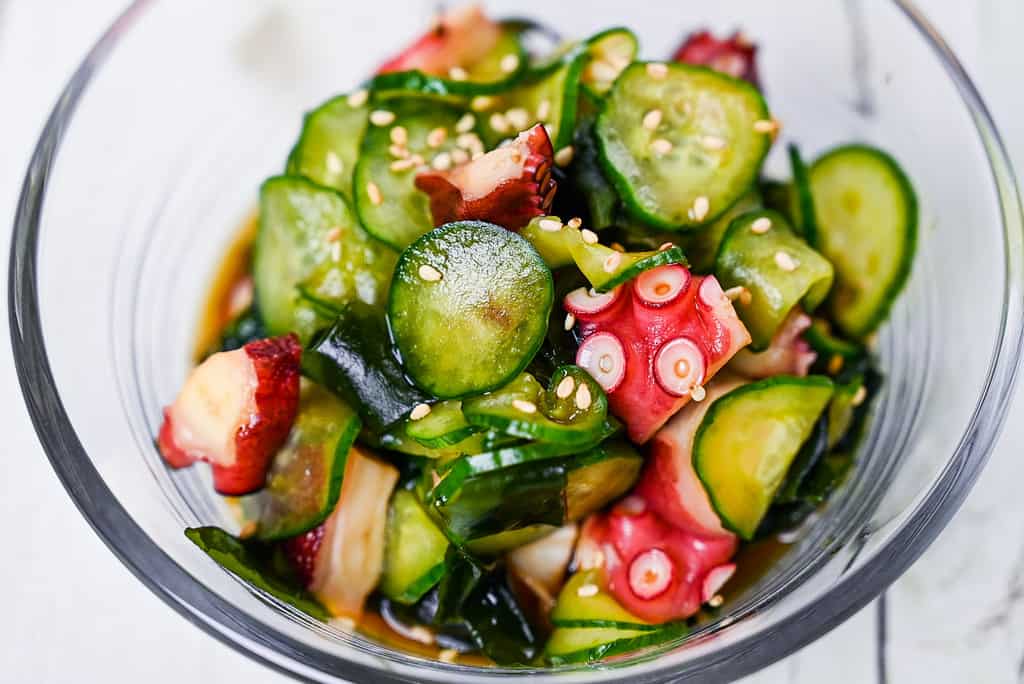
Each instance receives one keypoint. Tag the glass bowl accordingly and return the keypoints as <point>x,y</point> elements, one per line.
<point>151,160</point>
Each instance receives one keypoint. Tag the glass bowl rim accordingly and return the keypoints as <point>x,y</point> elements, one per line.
<point>222,619</point>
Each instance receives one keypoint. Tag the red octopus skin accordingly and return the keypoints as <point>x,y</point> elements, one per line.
<point>735,56</point>
<point>459,38</point>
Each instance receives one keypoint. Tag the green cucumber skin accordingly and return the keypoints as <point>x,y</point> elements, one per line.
<point>593,654</point>
<point>828,345</point>
<point>807,225</point>
<point>625,188</point>
<point>592,44</point>
<point>902,274</point>
<point>337,112</point>
<point>410,528</point>
<point>721,405</point>
<point>673,255</point>
<point>444,426</point>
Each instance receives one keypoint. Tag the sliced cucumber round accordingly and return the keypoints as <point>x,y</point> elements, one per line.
<point>747,441</point>
<point>866,212</point>
<point>594,610</point>
<point>389,205</point>
<point>444,426</point>
<point>610,52</point>
<point>680,143</point>
<point>309,239</point>
<point>328,147</point>
<point>414,551</point>
<point>469,308</point>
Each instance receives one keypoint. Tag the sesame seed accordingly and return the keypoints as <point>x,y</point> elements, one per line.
<point>575,222</point>
<point>481,102</point>
<point>565,387</point>
<point>712,142</point>
<point>652,119</point>
<point>736,293</point>
<point>661,147</point>
<point>602,70</point>
<point>469,141</point>
<point>860,396</point>
<point>345,623</point>
<point>666,245</point>
<point>419,411</point>
<point>716,601</point>
<point>518,117</point>
<point>399,135</point>
<point>766,126</point>
<point>382,117</point>
<point>524,406</point>
<point>785,261</point>
<point>402,164</point>
<point>442,162</point>
<point>465,124</point>
<point>583,398</point>
<point>587,590</point>
<point>358,98</point>
<point>543,109</point>
<point>570,321</point>
<point>418,159</point>
<point>657,70</point>
<point>429,273</point>
<point>373,192</point>
<point>509,63</point>
<point>498,122</point>
<point>459,156</point>
<point>564,156</point>
<point>447,655</point>
<point>458,74</point>
<point>835,364</point>
<point>698,393</point>
<point>476,155</point>
<point>612,262</point>
<point>589,236</point>
<point>552,225</point>
<point>761,226</point>
<point>701,207</point>
<point>617,246</point>
<point>436,137</point>
<point>333,162</point>
<point>398,151</point>
<point>333,234</point>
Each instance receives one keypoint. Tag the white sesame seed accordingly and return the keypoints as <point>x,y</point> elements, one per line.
<point>373,192</point>
<point>442,162</point>
<point>698,393</point>
<point>459,156</point>
<point>589,236</point>
<point>583,398</point>
<point>785,261</point>
<point>587,590</point>
<point>766,126</point>
<point>419,411</point>
<point>382,117</point>
<point>570,321</point>
<point>564,156</point>
<point>652,119</point>
<point>657,70</point>
<point>701,207</point>
<point>518,117</point>
<point>612,262</point>
<point>333,234</point>
<point>481,102</point>
<point>498,122</point>
<point>469,141</point>
<point>565,387</point>
<point>859,396</point>
<point>666,245</point>
<point>761,226</point>
<point>457,74</point>
<point>447,655</point>
<point>402,164</point>
<point>418,160</point>
<point>398,152</point>
<point>399,135</point>
<point>346,624</point>
<point>543,109</point>
<point>509,63</point>
<point>551,225</point>
<point>333,163</point>
<point>436,137</point>
<point>716,601</point>
<point>429,273</point>
<point>575,222</point>
<point>465,124</point>
<point>421,634</point>
<point>712,142</point>
<point>524,406</point>
<point>358,98</point>
<point>661,147</point>
<point>734,293</point>
<point>601,70</point>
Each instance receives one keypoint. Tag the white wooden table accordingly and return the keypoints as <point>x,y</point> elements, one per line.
<point>71,612</point>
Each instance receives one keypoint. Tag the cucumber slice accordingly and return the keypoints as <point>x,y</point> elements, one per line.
<point>503,542</point>
<point>389,205</point>
<point>328,147</point>
<point>304,479</point>
<point>469,308</point>
<point>828,345</point>
<point>610,51</point>
<point>778,269</point>
<point>747,441</point>
<point>414,552</point>
<point>598,610</point>
<point>843,406</point>
<point>551,245</point>
<point>702,247</point>
<point>444,426</point>
<point>574,645</point>
<point>309,238</point>
<point>689,178</point>
<point>867,226</point>
<point>573,410</point>
<point>810,454</point>
<point>398,439</point>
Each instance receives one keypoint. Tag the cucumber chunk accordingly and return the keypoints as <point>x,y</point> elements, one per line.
<point>598,610</point>
<point>867,227</point>
<point>748,440</point>
<point>574,645</point>
<point>328,147</point>
<point>309,238</point>
<point>397,439</point>
<point>389,205</point>
<point>610,51</point>
<point>778,269</point>
<point>414,551</point>
<point>469,308</point>
<point>702,248</point>
<point>701,157</point>
<point>304,480</point>
<point>444,426</point>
